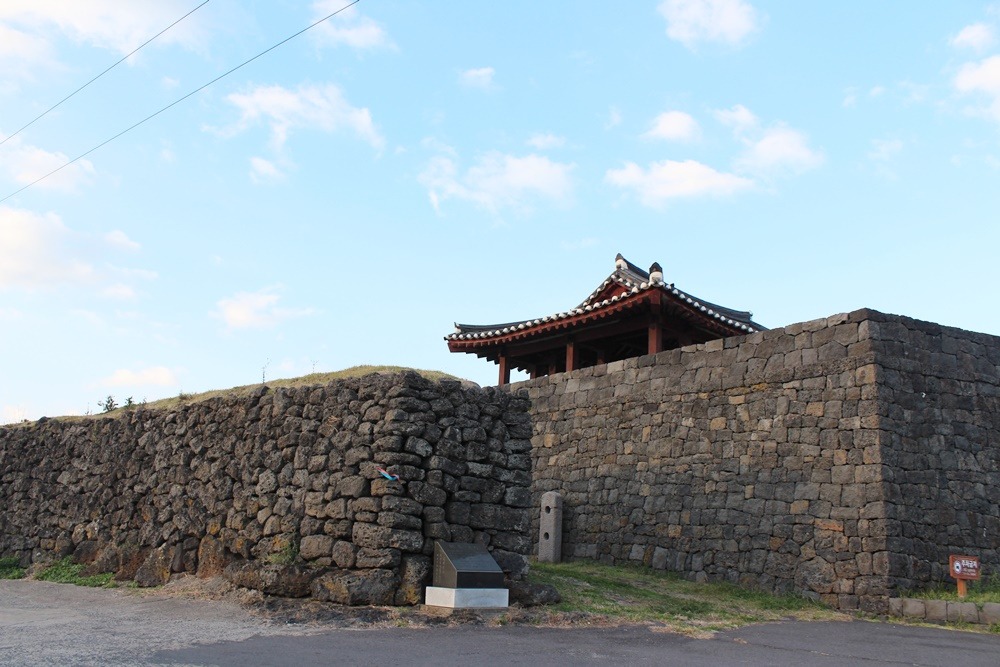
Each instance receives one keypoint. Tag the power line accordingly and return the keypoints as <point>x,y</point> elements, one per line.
<point>178,101</point>
<point>51,108</point>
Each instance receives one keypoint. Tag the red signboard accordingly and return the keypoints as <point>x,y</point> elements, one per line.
<point>963,567</point>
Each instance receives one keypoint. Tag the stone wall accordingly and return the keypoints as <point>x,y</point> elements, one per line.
<point>939,391</point>
<point>791,460</point>
<point>278,489</point>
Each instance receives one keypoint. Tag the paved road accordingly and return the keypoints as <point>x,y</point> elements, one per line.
<point>44,623</point>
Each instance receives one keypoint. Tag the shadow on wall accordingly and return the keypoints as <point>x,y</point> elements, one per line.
<point>282,491</point>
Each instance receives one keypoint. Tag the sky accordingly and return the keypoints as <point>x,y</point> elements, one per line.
<point>347,196</point>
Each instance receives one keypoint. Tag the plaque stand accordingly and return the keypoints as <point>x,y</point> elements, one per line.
<point>466,577</point>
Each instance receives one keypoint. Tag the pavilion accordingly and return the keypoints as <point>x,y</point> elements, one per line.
<point>632,313</point>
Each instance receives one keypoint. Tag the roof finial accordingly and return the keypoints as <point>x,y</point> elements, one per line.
<point>620,262</point>
<point>655,273</point>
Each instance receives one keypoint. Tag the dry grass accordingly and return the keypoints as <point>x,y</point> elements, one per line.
<point>314,379</point>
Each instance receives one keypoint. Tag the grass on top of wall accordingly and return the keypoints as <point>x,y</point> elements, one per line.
<point>313,379</point>
<point>637,594</point>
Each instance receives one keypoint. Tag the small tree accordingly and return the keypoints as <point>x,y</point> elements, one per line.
<point>129,403</point>
<point>108,404</point>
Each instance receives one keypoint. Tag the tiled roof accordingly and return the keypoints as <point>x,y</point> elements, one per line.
<point>635,281</point>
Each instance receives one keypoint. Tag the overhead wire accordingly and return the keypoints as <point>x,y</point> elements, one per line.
<point>178,101</point>
<point>116,64</point>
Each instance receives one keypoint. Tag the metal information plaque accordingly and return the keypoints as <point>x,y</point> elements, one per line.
<point>461,565</point>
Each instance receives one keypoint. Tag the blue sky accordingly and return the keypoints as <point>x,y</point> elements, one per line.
<point>345,198</point>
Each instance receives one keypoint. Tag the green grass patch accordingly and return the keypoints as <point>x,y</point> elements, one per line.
<point>985,590</point>
<point>638,594</point>
<point>10,569</point>
<point>66,571</point>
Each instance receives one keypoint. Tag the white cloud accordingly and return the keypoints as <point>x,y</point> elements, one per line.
<point>850,98</point>
<point>976,37</point>
<point>119,291</point>
<point>10,314</point>
<point>779,149</point>
<point>883,154</point>
<point>24,164</point>
<point>499,181</point>
<point>119,239</point>
<point>772,150</point>
<point>90,317</point>
<point>264,171</point>
<point>349,27</point>
<point>546,141</point>
<point>692,21</point>
<point>674,126</point>
<point>670,179</point>
<point>982,78</point>
<point>152,376</point>
<point>614,118</point>
<point>884,150</point>
<point>320,107</point>
<point>110,24</point>
<point>481,77</point>
<point>38,251</point>
<point>35,251</point>
<point>256,310</point>
<point>19,48</point>
<point>739,118</point>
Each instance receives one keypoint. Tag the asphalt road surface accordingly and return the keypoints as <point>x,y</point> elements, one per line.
<point>53,624</point>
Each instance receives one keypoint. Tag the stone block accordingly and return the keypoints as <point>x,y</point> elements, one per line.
<point>155,570</point>
<point>990,613</point>
<point>963,612</point>
<point>937,611</point>
<point>371,558</point>
<point>290,581</point>
<point>364,587</point>
<point>315,546</point>
<point>896,606</point>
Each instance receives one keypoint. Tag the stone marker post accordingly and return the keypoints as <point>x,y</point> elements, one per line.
<point>550,528</point>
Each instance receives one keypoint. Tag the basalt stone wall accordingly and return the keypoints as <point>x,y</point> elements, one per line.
<point>940,419</point>
<point>797,459</point>
<point>280,489</point>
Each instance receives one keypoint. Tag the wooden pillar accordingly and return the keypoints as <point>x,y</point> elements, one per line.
<point>655,330</point>
<point>504,370</point>
<point>572,355</point>
<point>655,337</point>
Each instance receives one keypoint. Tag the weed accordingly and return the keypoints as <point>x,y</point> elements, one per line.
<point>108,404</point>
<point>10,568</point>
<point>985,590</point>
<point>66,571</point>
<point>288,553</point>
